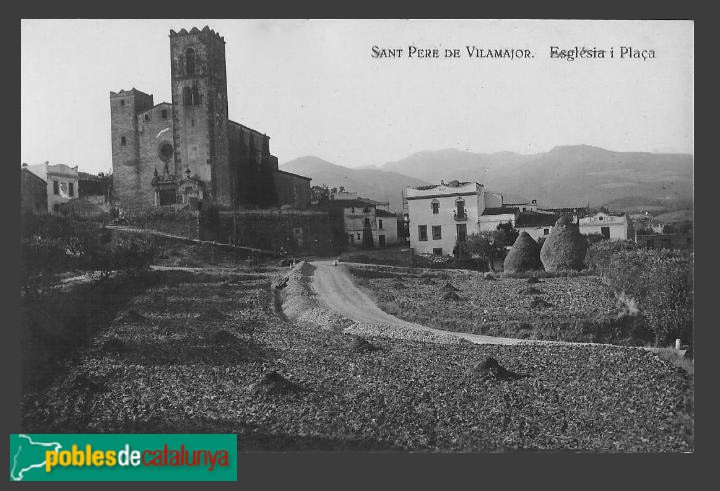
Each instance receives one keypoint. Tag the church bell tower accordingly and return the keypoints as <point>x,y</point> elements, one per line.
<point>200,110</point>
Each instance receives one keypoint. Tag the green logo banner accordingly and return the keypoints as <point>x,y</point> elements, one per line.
<point>126,457</point>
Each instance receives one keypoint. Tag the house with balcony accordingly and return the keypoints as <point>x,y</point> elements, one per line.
<point>441,215</point>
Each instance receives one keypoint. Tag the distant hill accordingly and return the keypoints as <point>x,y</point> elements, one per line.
<point>564,176</point>
<point>373,183</point>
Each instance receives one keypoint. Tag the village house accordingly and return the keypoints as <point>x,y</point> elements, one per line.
<point>61,183</point>
<point>613,226</point>
<point>525,206</point>
<point>536,224</point>
<point>33,192</point>
<point>442,215</point>
<point>363,223</point>
<point>493,217</point>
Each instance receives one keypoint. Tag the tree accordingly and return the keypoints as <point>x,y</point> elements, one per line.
<point>507,234</point>
<point>491,244</point>
<point>320,194</point>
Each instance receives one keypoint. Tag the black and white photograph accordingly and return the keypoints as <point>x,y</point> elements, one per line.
<point>380,235</point>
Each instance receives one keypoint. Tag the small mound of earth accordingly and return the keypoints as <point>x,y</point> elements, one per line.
<point>427,281</point>
<point>488,276</point>
<point>489,369</point>
<point>451,296</point>
<point>399,285</point>
<point>115,345</point>
<point>132,316</point>
<point>450,288</point>
<point>212,315</point>
<point>539,303</point>
<point>533,279</point>
<point>223,337</point>
<point>531,291</point>
<point>362,345</point>
<point>274,383</point>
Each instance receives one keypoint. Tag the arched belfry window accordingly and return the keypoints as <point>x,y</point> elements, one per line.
<point>190,61</point>
<point>191,96</point>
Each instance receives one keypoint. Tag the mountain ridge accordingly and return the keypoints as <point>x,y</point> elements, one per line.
<point>566,175</point>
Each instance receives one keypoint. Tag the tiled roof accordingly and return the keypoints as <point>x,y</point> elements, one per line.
<point>533,219</point>
<point>347,203</point>
<point>499,211</point>
<point>383,213</point>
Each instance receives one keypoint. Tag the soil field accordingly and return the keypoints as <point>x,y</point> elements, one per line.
<point>213,354</point>
<point>575,308</point>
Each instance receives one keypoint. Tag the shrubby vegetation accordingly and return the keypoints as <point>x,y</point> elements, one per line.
<point>52,244</point>
<point>600,252</point>
<point>661,281</point>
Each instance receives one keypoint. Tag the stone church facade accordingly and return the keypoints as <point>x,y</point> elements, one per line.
<point>189,152</point>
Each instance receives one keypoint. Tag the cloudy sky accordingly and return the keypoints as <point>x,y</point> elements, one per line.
<point>316,89</point>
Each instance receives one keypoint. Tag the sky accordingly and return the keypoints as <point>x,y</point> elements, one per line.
<point>315,88</point>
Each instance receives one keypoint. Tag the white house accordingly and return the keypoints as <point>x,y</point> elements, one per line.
<point>62,182</point>
<point>613,226</point>
<point>492,217</point>
<point>442,215</point>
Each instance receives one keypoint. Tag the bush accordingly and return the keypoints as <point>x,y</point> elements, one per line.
<point>661,282</point>
<point>599,254</point>
<point>52,244</point>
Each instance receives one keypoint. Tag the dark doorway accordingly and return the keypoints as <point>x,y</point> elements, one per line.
<point>605,231</point>
<point>461,232</point>
<point>166,197</point>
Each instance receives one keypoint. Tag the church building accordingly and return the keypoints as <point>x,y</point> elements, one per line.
<point>188,151</point>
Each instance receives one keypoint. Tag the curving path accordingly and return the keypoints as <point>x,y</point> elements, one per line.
<point>335,290</point>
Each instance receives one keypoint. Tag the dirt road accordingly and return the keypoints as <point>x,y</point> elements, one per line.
<point>336,290</point>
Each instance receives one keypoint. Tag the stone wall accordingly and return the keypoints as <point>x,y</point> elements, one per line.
<point>298,231</point>
<point>292,190</point>
<point>180,222</point>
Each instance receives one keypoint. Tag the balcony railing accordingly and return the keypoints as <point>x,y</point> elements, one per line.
<point>460,217</point>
